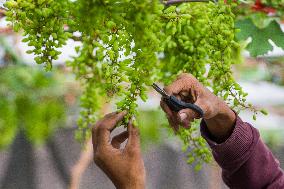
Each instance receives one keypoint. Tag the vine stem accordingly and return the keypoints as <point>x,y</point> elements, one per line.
<point>171,2</point>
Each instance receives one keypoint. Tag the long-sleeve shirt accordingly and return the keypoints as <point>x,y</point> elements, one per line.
<point>245,160</point>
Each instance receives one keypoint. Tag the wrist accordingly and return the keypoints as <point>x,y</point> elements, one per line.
<point>222,124</point>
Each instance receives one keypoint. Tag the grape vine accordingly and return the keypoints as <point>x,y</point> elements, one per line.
<point>126,45</point>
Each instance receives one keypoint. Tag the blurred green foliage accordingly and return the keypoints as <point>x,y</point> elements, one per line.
<point>31,100</point>
<point>273,138</point>
<point>151,124</point>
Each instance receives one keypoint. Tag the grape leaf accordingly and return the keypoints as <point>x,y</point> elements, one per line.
<point>260,44</point>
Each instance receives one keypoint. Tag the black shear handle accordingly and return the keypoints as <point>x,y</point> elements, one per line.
<point>176,105</point>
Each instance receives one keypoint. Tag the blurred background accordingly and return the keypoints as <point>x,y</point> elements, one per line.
<point>38,112</point>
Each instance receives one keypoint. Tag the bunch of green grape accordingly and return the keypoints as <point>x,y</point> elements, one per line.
<point>201,44</point>
<point>126,45</point>
<point>118,53</point>
<point>43,24</point>
<point>201,41</point>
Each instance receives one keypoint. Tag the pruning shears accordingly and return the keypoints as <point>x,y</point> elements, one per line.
<point>175,104</point>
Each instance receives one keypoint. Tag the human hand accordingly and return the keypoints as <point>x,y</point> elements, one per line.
<point>218,116</point>
<point>125,167</point>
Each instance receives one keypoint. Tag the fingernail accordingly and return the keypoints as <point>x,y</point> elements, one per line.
<point>182,116</point>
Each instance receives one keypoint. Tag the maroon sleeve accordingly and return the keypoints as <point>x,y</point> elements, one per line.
<point>245,160</point>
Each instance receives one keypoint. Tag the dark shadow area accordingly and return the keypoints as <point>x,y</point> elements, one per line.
<point>58,162</point>
<point>20,172</point>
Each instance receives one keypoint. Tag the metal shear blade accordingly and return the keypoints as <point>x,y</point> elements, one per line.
<point>159,90</point>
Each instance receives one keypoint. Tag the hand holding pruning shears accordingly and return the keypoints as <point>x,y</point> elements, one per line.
<point>187,99</point>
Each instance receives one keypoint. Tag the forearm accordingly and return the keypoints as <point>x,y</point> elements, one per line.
<point>245,160</point>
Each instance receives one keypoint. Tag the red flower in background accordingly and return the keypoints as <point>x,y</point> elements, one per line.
<point>258,6</point>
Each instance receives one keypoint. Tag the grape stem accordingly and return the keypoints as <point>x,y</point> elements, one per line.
<point>242,104</point>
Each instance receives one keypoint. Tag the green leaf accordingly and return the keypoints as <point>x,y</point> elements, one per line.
<point>260,36</point>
